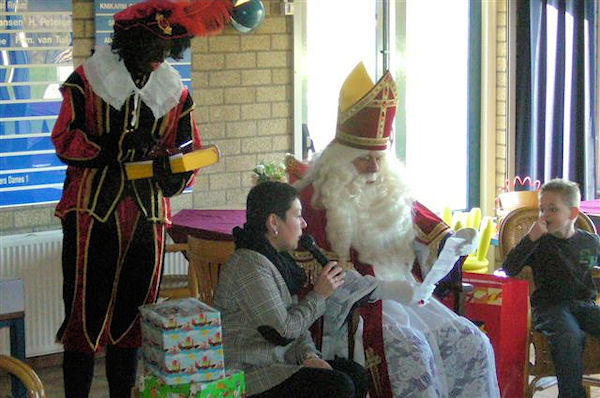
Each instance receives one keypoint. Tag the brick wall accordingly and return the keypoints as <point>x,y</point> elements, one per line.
<point>242,86</point>
<point>501,92</point>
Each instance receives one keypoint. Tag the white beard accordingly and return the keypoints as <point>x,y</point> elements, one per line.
<point>374,218</point>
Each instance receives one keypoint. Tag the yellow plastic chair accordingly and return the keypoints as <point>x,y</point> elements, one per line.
<point>459,219</point>
<point>474,218</point>
<point>478,262</point>
<point>25,374</point>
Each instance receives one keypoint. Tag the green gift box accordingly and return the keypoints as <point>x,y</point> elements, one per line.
<point>233,385</point>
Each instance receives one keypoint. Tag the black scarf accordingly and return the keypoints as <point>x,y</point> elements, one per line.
<point>248,238</point>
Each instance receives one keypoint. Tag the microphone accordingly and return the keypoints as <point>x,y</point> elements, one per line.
<point>307,242</point>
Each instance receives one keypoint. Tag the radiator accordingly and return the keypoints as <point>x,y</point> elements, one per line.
<point>36,258</point>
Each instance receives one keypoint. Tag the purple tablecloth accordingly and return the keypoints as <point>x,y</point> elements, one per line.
<point>206,224</point>
<point>592,209</point>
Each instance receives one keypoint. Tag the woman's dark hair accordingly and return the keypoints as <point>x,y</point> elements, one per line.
<point>141,42</point>
<point>267,198</point>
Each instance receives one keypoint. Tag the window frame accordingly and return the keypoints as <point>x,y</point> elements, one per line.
<point>385,37</point>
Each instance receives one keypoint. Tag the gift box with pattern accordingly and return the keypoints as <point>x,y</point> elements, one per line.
<point>232,385</point>
<point>182,341</point>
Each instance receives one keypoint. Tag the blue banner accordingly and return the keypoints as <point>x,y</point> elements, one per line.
<point>36,39</point>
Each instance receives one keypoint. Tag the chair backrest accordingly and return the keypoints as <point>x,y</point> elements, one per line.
<point>508,201</point>
<point>296,169</point>
<point>174,286</point>
<point>515,225</point>
<point>205,259</point>
<point>23,372</point>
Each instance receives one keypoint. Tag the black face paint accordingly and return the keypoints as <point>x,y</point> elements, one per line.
<point>143,51</point>
<point>153,52</point>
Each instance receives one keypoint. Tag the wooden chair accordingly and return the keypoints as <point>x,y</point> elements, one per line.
<point>512,228</point>
<point>25,374</point>
<point>175,285</point>
<point>205,259</point>
<point>509,201</point>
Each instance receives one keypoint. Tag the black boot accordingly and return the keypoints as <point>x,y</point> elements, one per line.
<point>121,366</point>
<point>78,372</point>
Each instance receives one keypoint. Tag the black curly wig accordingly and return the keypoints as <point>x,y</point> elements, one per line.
<point>139,46</point>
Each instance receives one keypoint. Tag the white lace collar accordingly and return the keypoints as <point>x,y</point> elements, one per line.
<point>111,80</point>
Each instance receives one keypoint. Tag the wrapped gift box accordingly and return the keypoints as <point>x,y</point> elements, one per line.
<point>182,341</point>
<point>232,385</point>
<point>179,162</point>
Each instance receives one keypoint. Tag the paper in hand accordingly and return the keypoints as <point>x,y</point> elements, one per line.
<point>459,244</point>
<point>339,304</point>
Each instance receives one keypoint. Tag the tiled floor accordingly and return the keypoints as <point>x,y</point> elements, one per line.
<point>52,379</point>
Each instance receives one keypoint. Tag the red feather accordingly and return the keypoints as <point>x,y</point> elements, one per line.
<point>201,17</point>
<point>198,17</point>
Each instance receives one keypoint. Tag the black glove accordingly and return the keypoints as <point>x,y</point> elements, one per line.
<point>161,168</point>
<point>139,140</point>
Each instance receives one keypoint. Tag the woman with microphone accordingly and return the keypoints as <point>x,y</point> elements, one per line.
<point>265,325</point>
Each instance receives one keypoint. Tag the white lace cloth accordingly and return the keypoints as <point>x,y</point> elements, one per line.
<point>431,352</point>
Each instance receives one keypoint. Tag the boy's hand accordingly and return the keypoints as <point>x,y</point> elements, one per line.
<point>538,229</point>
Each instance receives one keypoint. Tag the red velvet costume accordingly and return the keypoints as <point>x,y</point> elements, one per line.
<point>124,104</point>
<point>114,227</point>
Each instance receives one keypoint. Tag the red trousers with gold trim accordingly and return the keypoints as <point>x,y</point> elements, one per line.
<point>109,270</point>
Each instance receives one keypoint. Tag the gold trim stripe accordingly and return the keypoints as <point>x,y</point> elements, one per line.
<point>363,141</point>
<point>439,228</point>
<point>385,82</point>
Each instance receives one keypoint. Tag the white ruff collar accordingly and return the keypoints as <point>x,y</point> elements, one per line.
<point>111,80</point>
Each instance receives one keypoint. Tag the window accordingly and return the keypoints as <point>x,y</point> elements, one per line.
<point>431,67</point>
<point>332,50</point>
<point>429,58</point>
<point>553,81</point>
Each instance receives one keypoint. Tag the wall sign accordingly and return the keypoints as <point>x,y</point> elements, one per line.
<point>36,42</point>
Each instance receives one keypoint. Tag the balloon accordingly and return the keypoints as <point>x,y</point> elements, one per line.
<point>247,16</point>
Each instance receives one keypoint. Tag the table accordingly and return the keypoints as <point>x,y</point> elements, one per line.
<point>592,209</point>
<point>205,224</point>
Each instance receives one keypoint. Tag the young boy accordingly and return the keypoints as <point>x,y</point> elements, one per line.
<point>561,258</point>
